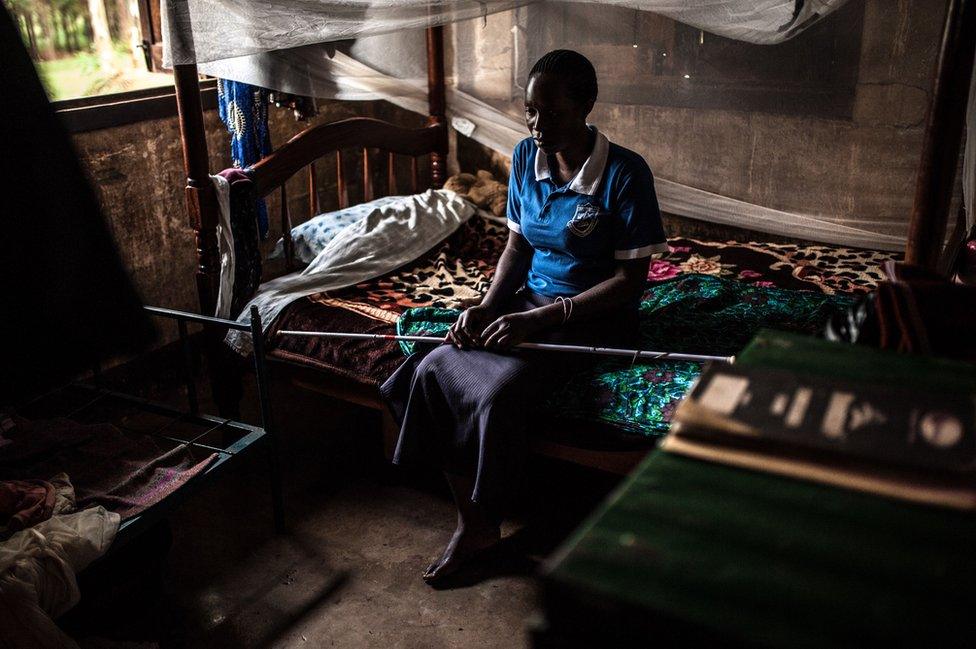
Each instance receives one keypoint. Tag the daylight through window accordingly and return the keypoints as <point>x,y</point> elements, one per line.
<point>88,47</point>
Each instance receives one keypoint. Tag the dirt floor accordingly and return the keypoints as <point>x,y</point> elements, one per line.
<point>347,572</point>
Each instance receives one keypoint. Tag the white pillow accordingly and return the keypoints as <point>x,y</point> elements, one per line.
<point>311,237</point>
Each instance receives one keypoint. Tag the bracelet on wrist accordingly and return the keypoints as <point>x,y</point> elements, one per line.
<point>567,306</point>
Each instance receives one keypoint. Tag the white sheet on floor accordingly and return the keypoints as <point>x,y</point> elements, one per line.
<point>37,574</point>
<point>389,237</point>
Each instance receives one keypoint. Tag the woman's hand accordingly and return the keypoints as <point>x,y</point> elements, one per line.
<point>466,330</point>
<point>510,330</point>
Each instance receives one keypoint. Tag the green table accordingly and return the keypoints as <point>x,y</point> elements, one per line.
<point>689,553</point>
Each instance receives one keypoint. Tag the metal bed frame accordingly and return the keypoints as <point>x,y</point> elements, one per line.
<point>241,437</point>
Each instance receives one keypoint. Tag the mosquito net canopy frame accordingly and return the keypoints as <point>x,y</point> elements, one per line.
<point>692,58</point>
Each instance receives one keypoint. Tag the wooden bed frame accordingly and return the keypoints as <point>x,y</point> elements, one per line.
<point>927,228</point>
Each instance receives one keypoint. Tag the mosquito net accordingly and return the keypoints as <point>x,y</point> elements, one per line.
<point>199,31</point>
<point>800,118</point>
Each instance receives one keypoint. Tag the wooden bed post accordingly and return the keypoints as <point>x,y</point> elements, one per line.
<point>201,200</point>
<point>436,101</point>
<point>943,135</point>
<point>202,208</point>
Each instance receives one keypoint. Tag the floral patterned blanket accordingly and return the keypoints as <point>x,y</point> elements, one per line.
<point>825,268</point>
<point>691,313</point>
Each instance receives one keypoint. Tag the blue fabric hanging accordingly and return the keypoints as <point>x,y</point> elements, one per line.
<point>243,109</point>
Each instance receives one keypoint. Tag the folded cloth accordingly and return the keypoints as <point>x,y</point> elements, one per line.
<point>64,494</point>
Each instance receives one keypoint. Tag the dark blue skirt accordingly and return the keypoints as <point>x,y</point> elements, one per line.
<point>468,412</point>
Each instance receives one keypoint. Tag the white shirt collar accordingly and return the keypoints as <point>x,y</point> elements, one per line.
<point>587,181</point>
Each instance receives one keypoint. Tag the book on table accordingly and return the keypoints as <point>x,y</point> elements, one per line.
<point>838,414</point>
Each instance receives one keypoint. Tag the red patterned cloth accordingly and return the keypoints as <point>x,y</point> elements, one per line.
<point>24,503</point>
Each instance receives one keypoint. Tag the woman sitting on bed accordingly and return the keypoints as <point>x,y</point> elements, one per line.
<point>584,223</point>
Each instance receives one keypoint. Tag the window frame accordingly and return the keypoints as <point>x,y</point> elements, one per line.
<point>119,109</point>
<point>150,21</point>
<point>111,110</point>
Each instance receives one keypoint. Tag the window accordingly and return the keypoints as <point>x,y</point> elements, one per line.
<point>86,48</point>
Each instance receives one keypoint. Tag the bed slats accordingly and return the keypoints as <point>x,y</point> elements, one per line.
<point>273,171</point>
<point>289,245</point>
<point>341,182</point>
<point>313,192</point>
<point>342,190</point>
<point>367,177</point>
<point>391,183</point>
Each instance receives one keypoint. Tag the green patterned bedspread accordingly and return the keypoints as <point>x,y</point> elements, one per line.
<point>700,314</point>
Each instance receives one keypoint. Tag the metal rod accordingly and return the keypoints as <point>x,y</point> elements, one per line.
<point>162,409</point>
<point>196,439</point>
<point>267,422</point>
<point>179,440</point>
<point>634,354</point>
<point>88,404</point>
<point>196,317</point>
<point>184,442</point>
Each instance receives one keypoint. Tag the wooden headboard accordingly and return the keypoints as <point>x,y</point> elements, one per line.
<point>359,133</point>
<point>300,151</point>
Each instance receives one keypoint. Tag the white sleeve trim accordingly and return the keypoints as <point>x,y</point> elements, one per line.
<point>640,253</point>
<point>514,227</point>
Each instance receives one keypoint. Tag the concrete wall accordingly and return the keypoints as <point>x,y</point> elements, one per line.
<point>852,158</point>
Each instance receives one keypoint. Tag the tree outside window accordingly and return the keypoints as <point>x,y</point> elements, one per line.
<point>86,47</point>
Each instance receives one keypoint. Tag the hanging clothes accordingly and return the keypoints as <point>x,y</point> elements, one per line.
<point>244,219</point>
<point>243,109</point>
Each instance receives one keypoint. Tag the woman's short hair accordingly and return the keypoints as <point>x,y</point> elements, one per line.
<point>574,68</point>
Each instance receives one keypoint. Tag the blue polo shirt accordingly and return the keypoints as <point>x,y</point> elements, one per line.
<point>578,231</point>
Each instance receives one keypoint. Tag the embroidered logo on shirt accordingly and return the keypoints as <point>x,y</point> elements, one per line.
<point>585,220</point>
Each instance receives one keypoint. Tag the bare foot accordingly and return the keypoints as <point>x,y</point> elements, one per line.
<point>466,543</point>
